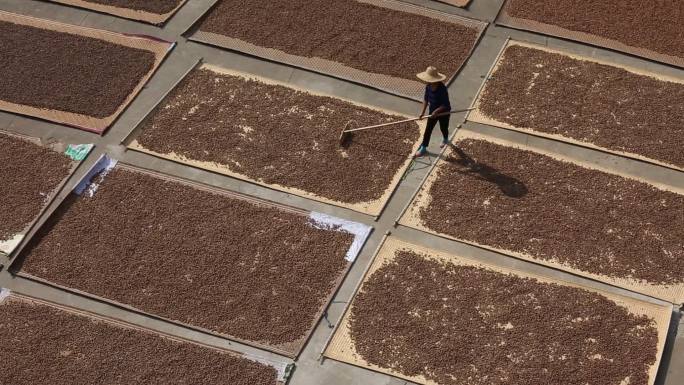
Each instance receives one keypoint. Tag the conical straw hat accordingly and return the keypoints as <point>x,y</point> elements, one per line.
<point>430,75</point>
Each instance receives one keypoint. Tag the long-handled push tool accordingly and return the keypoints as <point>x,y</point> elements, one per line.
<point>345,134</point>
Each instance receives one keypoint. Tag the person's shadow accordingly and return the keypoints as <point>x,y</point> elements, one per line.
<point>508,185</point>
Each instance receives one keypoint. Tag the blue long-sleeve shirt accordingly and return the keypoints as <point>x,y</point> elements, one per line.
<point>437,98</point>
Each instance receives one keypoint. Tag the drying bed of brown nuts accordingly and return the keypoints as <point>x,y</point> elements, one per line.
<point>589,102</point>
<point>42,345</point>
<point>458,324</point>
<point>653,25</point>
<point>159,7</point>
<point>236,268</point>
<point>29,173</point>
<point>359,35</point>
<point>55,70</point>
<point>552,210</point>
<point>278,135</point>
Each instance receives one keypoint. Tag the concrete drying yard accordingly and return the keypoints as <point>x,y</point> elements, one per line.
<point>113,301</point>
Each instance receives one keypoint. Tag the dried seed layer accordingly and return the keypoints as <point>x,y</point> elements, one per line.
<point>277,135</point>
<point>158,7</point>
<point>248,271</point>
<point>356,34</point>
<point>29,173</point>
<point>552,210</point>
<point>469,325</point>
<point>60,71</point>
<point>653,25</point>
<point>42,345</point>
<point>589,102</point>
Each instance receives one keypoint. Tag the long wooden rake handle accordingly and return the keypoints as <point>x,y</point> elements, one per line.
<point>406,120</point>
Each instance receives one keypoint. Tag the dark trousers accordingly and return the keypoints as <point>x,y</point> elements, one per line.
<point>431,123</point>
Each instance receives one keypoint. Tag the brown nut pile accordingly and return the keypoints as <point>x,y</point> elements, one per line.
<point>41,345</point>
<point>653,25</point>
<point>29,173</point>
<point>585,219</point>
<point>278,135</point>
<point>249,271</point>
<point>59,71</point>
<point>588,102</point>
<point>458,324</point>
<point>359,35</point>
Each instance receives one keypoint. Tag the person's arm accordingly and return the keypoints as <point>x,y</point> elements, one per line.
<point>425,103</point>
<point>422,112</point>
<point>439,110</point>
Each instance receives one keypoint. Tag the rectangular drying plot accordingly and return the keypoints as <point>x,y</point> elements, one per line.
<point>281,137</point>
<point>537,206</point>
<point>645,28</point>
<point>72,75</point>
<point>344,40</point>
<point>429,317</point>
<point>44,343</point>
<point>580,100</point>
<point>32,175</point>
<point>222,263</point>
<point>153,12</point>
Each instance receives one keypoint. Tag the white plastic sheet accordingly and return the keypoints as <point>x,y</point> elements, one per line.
<point>361,232</point>
<point>89,186</point>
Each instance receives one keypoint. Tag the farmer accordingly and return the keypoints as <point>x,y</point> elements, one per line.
<point>437,97</point>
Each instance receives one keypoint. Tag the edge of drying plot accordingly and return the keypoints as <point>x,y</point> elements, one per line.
<point>7,294</point>
<point>410,218</point>
<point>292,349</point>
<point>10,246</point>
<point>373,208</point>
<point>409,89</point>
<point>455,3</point>
<point>126,13</point>
<point>321,355</point>
<point>477,116</point>
<point>158,47</point>
<point>341,347</point>
<point>505,20</point>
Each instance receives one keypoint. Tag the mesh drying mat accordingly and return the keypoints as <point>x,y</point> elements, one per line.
<point>371,208</point>
<point>7,296</point>
<point>77,153</point>
<point>411,218</point>
<point>98,125</point>
<point>393,85</point>
<point>478,117</point>
<point>127,13</point>
<point>341,346</point>
<point>291,349</point>
<point>506,20</point>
